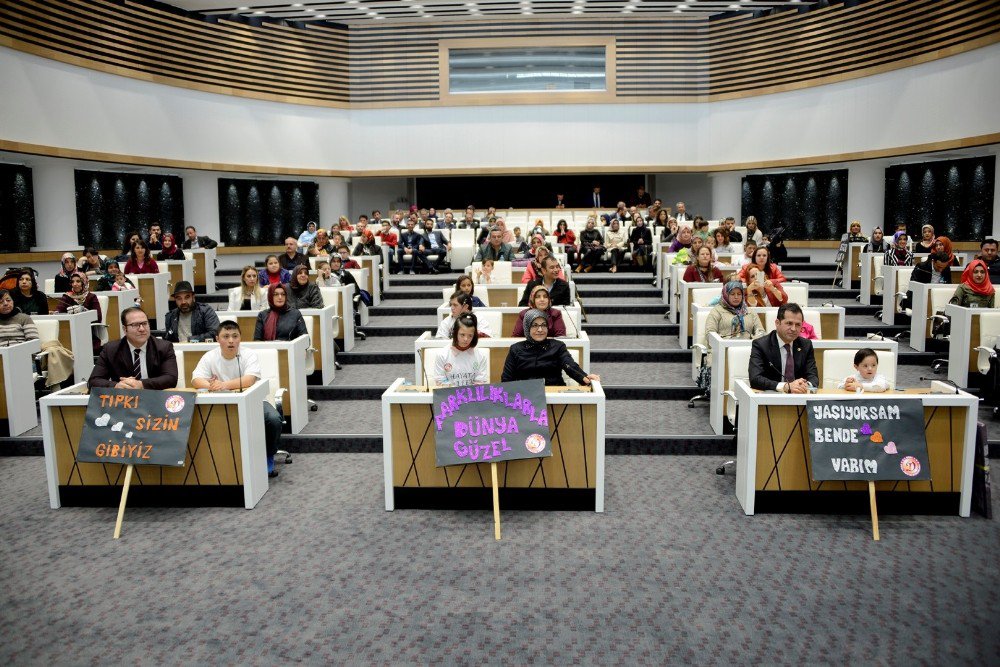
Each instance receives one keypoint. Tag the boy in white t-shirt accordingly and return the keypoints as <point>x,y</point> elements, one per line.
<point>226,368</point>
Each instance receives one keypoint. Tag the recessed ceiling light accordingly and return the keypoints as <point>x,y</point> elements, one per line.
<point>297,4</point>
<point>418,7</point>
<point>372,13</point>
<point>242,9</point>
<point>682,6</point>
<point>577,11</point>
<point>379,18</point>
<point>470,4</point>
<point>257,13</point>
<point>527,13</point>
<point>321,16</point>
<point>626,11</point>
<point>734,6</point>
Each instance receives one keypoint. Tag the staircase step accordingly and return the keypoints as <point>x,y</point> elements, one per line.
<point>623,291</point>
<point>364,393</point>
<point>376,358</point>
<point>861,331</point>
<point>651,329</point>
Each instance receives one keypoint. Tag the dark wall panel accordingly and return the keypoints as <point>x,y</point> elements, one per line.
<point>253,212</point>
<point>110,205</point>
<point>525,191</point>
<point>809,205</point>
<point>17,209</point>
<point>955,196</point>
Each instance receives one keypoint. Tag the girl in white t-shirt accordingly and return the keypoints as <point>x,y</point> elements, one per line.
<point>866,378</point>
<point>462,364</point>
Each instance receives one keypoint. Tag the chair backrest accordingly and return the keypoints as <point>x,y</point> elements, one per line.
<point>903,278</point>
<point>838,364</point>
<point>939,297</point>
<point>570,382</point>
<point>797,292</point>
<point>703,295</point>
<point>48,330</point>
<point>502,273</point>
<point>103,301</point>
<point>330,298</point>
<point>493,320</point>
<point>700,320</point>
<point>989,329</point>
<point>313,343</point>
<point>463,237</point>
<point>269,370</point>
<point>738,366</point>
<point>50,285</point>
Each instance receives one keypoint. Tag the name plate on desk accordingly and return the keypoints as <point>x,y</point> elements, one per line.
<point>867,440</point>
<point>491,422</point>
<point>136,426</point>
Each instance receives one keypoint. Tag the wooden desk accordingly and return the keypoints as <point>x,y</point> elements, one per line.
<point>373,280</point>
<point>498,352</point>
<point>178,270</point>
<point>154,292</point>
<point>772,448</point>
<point>117,302</point>
<point>871,268</point>
<point>76,335</point>
<point>291,372</point>
<point>226,455</point>
<point>928,299</point>
<point>970,328</point>
<point>204,269</point>
<point>17,395</point>
<point>575,471</point>
<point>894,279</point>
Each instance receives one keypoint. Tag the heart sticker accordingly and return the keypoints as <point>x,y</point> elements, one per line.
<point>890,448</point>
<point>103,420</point>
<point>866,429</point>
<point>129,434</point>
<point>876,437</point>
<point>118,426</point>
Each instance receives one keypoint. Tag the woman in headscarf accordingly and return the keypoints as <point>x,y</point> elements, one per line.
<point>683,239</point>
<point>703,269</point>
<point>113,279</point>
<point>67,267</point>
<point>877,243</point>
<point>301,292</point>
<point>936,269</point>
<point>79,295</point>
<point>140,260</point>
<point>591,247</point>
<point>171,252</point>
<point>27,297</point>
<point>616,243</point>
<point>926,242</point>
<point>641,240</point>
<point>976,290</point>
<point>280,321</point>
<point>540,300</point>
<point>541,357</point>
<point>899,254</point>
<point>462,364</point>
<point>730,319</point>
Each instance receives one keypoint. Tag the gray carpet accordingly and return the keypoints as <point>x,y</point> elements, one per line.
<point>319,573</point>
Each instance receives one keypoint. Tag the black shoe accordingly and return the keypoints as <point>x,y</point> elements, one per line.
<point>273,473</point>
<point>337,365</point>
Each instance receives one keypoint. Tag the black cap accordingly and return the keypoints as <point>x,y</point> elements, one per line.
<point>181,287</point>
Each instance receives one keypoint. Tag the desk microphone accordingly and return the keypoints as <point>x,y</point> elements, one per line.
<point>240,370</point>
<point>945,380</point>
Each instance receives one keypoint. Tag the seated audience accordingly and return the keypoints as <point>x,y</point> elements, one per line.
<point>591,249</point>
<point>92,263</point>
<point>866,377</point>
<point>306,238</point>
<point>854,234</point>
<point>899,254</point>
<point>683,239</point>
<point>641,241</point>
<point>324,275</point>
<point>272,273</point>
<point>436,246</point>
<point>412,245</point>
<point>227,368</point>
<point>141,261</point>
<point>367,246</point>
<point>703,269</point>
<point>280,321</point>
<point>495,249</point>
<point>127,244</point>
<point>541,357</point>
<point>557,287</point>
<point>782,360</point>
<point>567,237</point>
<point>730,319</point>
<point>292,257</point>
<point>701,227</point>
<point>170,252</point>
<point>248,295</point>
<point>345,257</point>
<point>462,364</point>
<point>194,242</point>
<point>465,284</point>
<point>730,225</point>
<point>485,273</point>
<point>154,238</point>
<point>616,243</point>
<point>190,321</point>
<point>15,326</point>
<point>114,280</point>
<point>749,250</point>
<point>539,300</point>
<point>761,292</point>
<point>136,361</point>
<point>301,292</point>
<point>460,304</point>
<point>988,252</point>
<point>27,297</point>
<point>321,245</point>
<point>721,238</point>
<point>67,269</point>
<point>80,297</point>
<point>877,243</point>
<point>926,242</point>
<point>753,231</point>
<point>976,290</point>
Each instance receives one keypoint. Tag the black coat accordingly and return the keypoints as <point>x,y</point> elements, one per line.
<point>290,325</point>
<point>765,362</point>
<point>203,242</point>
<point>204,323</point>
<point>547,360</point>
<point>559,294</point>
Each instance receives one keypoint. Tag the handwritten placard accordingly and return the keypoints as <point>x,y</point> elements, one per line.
<point>491,422</point>
<point>140,427</point>
<point>867,439</point>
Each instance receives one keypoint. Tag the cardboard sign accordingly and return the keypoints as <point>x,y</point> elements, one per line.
<point>867,439</point>
<point>487,423</point>
<point>136,426</point>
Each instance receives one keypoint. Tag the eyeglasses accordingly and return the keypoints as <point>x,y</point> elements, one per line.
<point>539,325</point>
<point>138,325</point>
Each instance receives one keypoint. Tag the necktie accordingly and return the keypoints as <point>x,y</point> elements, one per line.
<point>789,364</point>
<point>136,366</point>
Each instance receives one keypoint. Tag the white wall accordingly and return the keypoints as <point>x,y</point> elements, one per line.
<point>54,104</point>
<point>368,194</point>
<point>695,190</point>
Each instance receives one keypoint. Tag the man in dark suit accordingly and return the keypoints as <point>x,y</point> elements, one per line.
<point>136,361</point>
<point>782,361</point>
<point>550,280</point>
<point>412,243</point>
<point>437,246</point>
<point>192,240</point>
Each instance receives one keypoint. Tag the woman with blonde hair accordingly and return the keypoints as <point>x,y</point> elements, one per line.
<point>248,295</point>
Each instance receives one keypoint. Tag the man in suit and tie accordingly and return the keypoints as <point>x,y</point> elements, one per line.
<point>137,361</point>
<point>782,361</point>
<point>436,246</point>
<point>596,197</point>
<point>682,215</point>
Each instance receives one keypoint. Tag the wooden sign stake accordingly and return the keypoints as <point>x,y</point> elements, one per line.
<point>496,502</point>
<point>871,499</point>
<point>121,505</point>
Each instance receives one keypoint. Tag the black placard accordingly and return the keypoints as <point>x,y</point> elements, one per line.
<point>867,439</point>
<point>140,427</point>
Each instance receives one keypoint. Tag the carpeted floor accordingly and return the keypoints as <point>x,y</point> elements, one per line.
<point>320,574</point>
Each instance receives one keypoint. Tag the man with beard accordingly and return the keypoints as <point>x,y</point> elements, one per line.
<point>190,321</point>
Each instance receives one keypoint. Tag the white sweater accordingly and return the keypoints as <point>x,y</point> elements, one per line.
<point>444,328</point>
<point>457,368</point>
<point>877,385</point>
<point>236,299</point>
